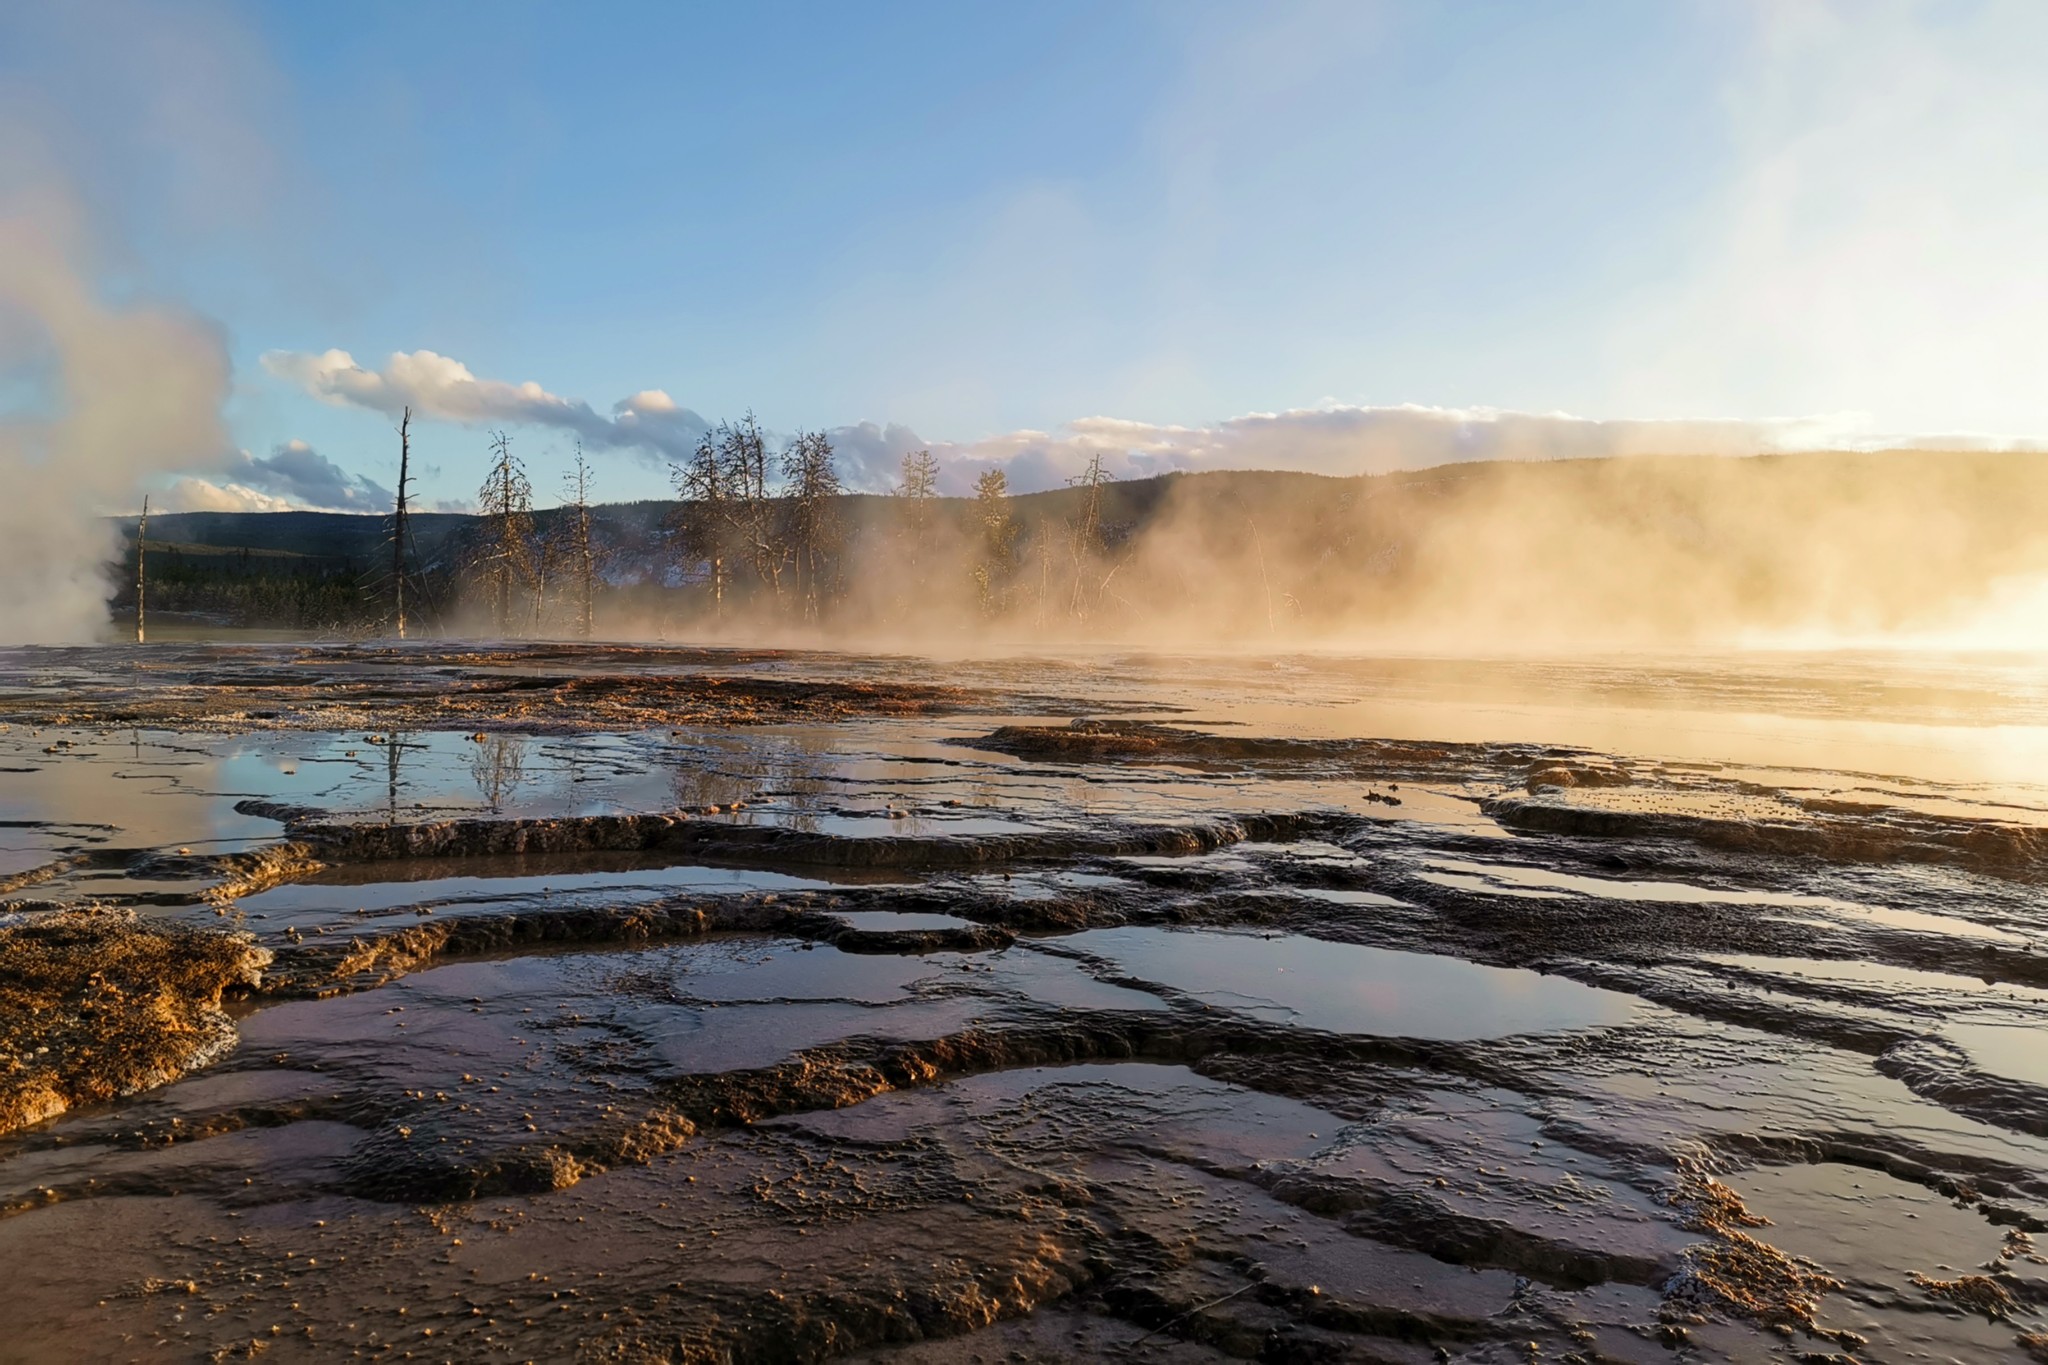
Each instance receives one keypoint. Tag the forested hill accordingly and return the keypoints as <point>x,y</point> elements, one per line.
<point>363,539</point>
<point>1619,550</point>
<point>336,536</point>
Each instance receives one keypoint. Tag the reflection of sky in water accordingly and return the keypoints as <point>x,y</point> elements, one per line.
<point>1459,881</point>
<point>1337,896</point>
<point>724,973</point>
<point>2016,1051</point>
<point>1347,988</point>
<point>441,771</point>
<point>1513,875</point>
<point>1507,879</point>
<point>154,789</point>
<point>876,778</point>
<point>1937,717</point>
<point>1875,974</point>
<point>893,921</point>
<point>1863,1224</point>
<point>921,776</point>
<point>310,902</point>
<point>1922,923</point>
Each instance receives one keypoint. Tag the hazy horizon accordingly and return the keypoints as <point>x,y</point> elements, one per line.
<point>1335,238</point>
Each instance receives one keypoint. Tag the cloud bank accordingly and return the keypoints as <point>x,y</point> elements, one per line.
<point>440,388</point>
<point>191,493</point>
<point>294,475</point>
<point>1333,439</point>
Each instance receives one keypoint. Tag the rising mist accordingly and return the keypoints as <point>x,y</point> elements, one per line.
<point>118,123</point>
<point>1824,548</point>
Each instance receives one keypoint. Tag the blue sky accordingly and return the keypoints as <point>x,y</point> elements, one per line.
<point>1779,223</point>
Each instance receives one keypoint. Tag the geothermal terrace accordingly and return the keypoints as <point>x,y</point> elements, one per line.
<point>629,1003</point>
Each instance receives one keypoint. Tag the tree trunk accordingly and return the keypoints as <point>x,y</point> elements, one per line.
<point>141,546</point>
<point>398,524</point>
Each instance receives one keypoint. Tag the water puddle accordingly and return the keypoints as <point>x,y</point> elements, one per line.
<point>1922,923</point>
<point>2016,1051</point>
<point>1463,881</point>
<point>1347,988</point>
<point>1331,895</point>
<point>897,921</point>
<point>693,1008</point>
<point>912,824</point>
<point>1506,879</point>
<point>1508,876</point>
<point>1042,886</point>
<point>1872,974</point>
<point>1736,807</point>
<point>318,901</point>
<point>1877,1234</point>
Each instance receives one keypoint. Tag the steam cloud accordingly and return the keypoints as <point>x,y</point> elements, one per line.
<point>118,393</point>
<point>144,114</point>
<point>1327,440</point>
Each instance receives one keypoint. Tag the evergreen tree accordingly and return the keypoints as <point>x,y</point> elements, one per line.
<point>995,541</point>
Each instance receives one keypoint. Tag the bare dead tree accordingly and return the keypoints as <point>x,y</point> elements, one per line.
<point>399,528</point>
<point>498,767</point>
<point>1086,530</point>
<point>506,501</point>
<point>703,522</point>
<point>141,552</point>
<point>544,554</point>
<point>582,560</point>
<point>810,484</point>
<point>920,483</point>
<point>1044,546</point>
<point>728,514</point>
<point>752,510</point>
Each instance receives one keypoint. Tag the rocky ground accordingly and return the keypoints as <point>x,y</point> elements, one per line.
<point>653,1004</point>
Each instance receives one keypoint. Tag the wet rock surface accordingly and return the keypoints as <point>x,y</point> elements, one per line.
<point>835,1014</point>
<point>95,1003</point>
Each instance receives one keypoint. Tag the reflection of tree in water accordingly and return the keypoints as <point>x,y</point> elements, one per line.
<point>791,775</point>
<point>498,767</point>
<point>903,820</point>
<point>392,751</point>
<point>806,790</point>
<point>1079,795</point>
<point>696,785</point>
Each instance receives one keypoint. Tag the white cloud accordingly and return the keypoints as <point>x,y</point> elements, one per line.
<point>439,387</point>
<point>192,494</point>
<point>1329,439</point>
